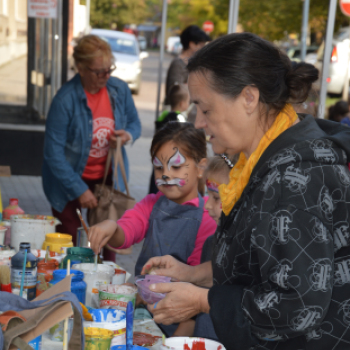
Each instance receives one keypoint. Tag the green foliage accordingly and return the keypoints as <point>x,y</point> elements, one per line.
<point>271,19</point>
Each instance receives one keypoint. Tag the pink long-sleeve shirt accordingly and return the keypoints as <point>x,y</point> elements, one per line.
<point>135,223</point>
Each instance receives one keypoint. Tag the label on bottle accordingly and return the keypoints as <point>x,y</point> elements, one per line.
<point>29,281</point>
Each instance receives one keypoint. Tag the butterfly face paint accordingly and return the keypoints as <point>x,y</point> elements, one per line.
<point>212,185</point>
<point>157,162</point>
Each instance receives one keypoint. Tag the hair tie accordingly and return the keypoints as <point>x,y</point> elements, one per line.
<point>228,162</point>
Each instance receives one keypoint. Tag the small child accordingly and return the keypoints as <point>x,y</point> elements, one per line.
<point>179,102</point>
<point>217,172</point>
<point>174,220</point>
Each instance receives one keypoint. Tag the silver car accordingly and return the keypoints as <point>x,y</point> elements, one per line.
<point>339,61</point>
<point>127,55</point>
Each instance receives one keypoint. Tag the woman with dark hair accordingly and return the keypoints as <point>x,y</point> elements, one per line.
<point>279,276</point>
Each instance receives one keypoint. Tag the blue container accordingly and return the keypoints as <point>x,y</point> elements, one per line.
<point>78,286</point>
<point>36,343</point>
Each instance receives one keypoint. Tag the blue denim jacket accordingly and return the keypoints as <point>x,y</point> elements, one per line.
<point>68,138</point>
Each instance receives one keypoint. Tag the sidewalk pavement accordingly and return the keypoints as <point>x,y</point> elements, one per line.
<point>29,191</point>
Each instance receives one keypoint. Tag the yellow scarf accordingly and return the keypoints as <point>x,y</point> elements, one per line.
<point>240,173</point>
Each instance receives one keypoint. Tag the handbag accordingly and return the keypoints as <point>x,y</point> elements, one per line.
<point>112,203</point>
<point>25,320</point>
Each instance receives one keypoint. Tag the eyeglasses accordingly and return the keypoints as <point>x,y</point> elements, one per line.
<point>101,73</point>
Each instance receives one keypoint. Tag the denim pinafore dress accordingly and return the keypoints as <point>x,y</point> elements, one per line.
<point>172,231</point>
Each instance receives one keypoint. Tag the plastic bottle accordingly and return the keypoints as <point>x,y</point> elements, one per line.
<point>12,209</point>
<point>30,272</point>
<point>78,286</point>
<point>45,275</point>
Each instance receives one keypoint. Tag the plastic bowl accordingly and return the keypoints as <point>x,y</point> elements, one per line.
<point>144,281</point>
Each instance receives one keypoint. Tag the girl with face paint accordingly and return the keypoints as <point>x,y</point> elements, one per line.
<point>173,221</point>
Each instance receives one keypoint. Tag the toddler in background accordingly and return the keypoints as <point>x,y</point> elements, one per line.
<point>179,99</point>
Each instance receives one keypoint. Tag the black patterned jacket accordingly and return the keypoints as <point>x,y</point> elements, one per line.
<point>281,260</point>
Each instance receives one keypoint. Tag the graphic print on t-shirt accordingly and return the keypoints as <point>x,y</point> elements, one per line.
<point>102,129</point>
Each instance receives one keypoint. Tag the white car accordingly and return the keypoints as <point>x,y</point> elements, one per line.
<point>172,40</point>
<point>128,58</point>
<point>339,61</point>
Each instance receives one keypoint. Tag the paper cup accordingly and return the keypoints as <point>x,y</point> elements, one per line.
<point>177,343</point>
<point>119,277</point>
<point>115,296</point>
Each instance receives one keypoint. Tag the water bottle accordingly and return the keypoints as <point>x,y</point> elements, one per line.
<point>30,277</point>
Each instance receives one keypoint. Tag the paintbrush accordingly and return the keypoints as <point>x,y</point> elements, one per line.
<point>47,254</point>
<point>129,325</point>
<point>65,326</point>
<point>5,278</point>
<point>23,273</point>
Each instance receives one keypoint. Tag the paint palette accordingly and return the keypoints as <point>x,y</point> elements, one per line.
<point>144,281</point>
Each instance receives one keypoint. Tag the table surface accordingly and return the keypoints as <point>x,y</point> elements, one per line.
<point>145,326</point>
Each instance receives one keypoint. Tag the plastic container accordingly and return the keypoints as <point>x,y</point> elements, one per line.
<point>78,255</point>
<point>144,281</point>
<point>123,347</point>
<point>114,296</point>
<point>6,255</point>
<point>12,209</point>
<point>58,242</point>
<point>32,229</point>
<point>113,320</point>
<point>36,343</point>
<point>45,275</point>
<point>117,267</point>
<point>177,343</point>
<point>30,271</point>
<point>3,230</point>
<point>78,286</point>
<point>94,278</point>
<point>97,338</point>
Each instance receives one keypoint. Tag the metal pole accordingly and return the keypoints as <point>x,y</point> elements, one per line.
<point>87,28</point>
<point>233,16</point>
<point>161,57</point>
<point>327,56</point>
<point>304,28</point>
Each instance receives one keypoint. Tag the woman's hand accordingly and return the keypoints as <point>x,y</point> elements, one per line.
<point>168,266</point>
<point>88,200</point>
<point>101,233</point>
<point>183,301</point>
<point>125,137</point>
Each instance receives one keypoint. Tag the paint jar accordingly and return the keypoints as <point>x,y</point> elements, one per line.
<point>12,209</point>
<point>32,229</point>
<point>30,271</point>
<point>114,320</point>
<point>45,275</point>
<point>58,242</point>
<point>114,296</point>
<point>123,347</point>
<point>97,338</point>
<point>192,343</point>
<point>94,278</point>
<point>36,343</point>
<point>79,255</point>
<point>78,286</point>
<point>144,281</point>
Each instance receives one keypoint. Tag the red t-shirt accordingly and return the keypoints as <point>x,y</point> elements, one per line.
<point>102,128</point>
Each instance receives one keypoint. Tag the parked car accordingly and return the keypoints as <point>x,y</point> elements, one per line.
<point>127,54</point>
<point>177,48</point>
<point>142,42</point>
<point>339,61</point>
<point>294,52</point>
<point>171,42</point>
